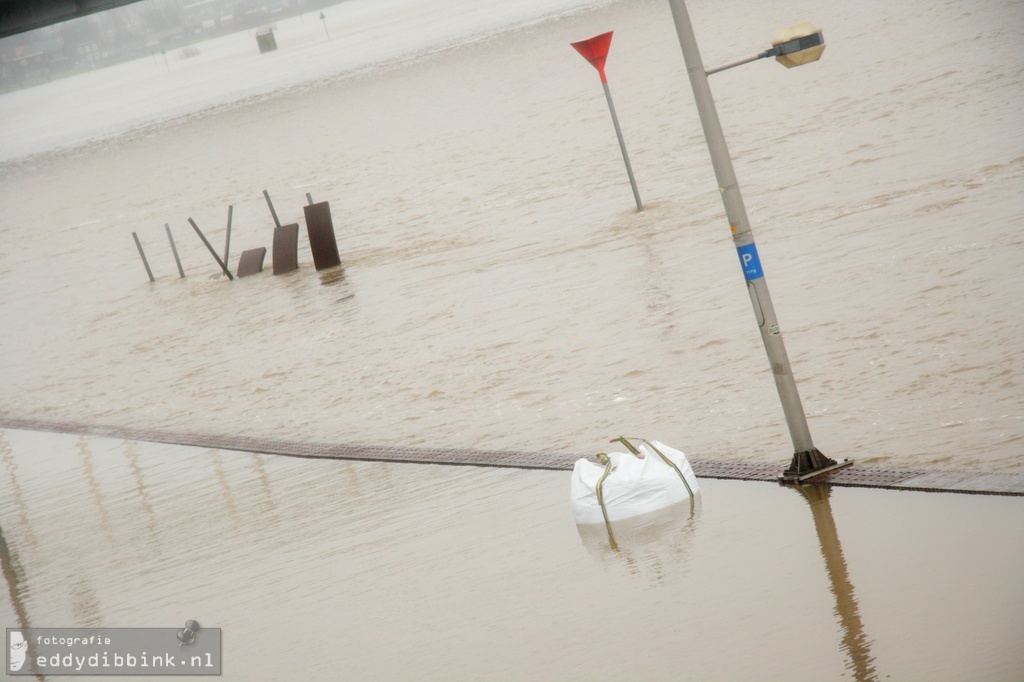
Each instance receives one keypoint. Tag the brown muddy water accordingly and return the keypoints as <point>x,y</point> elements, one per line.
<point>500,290</point>
<point>333,570</point>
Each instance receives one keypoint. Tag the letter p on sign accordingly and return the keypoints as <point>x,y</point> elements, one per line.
<point>749,261</point>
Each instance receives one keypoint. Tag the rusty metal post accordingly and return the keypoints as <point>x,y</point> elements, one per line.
<point>251,261</point>
<point>322,241</point>
<point>286,249</point>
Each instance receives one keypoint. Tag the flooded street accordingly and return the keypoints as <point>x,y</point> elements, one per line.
<point>500,291</point>
<point>367,571</point>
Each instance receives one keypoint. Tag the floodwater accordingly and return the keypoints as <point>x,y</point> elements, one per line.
<point>500,291</point>
<point>322,569</point>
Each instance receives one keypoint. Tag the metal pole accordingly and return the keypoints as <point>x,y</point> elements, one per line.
<point>227,240</point>
<point>210,248</point>
<point>271,205</point>
<point>622,146</point>
<point>309,198</point>
<point>738,62</point>
<point>806,457</point>
<point>174,249</point>
<point>145,262</point>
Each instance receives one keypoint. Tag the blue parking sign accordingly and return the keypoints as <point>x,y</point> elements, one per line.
<point>749,261</point>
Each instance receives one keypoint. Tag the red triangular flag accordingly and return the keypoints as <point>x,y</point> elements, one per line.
<point>595,51</point>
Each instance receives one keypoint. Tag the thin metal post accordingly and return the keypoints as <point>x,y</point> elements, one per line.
<point>174,249</point>
<point>210,248</point>
<point>145,262</point>
<point>806,457</point>
<point>738,62</point>
<point>227,239</point>
<point>309,198</point>
<point>622,146</point>
<point>272,211</point>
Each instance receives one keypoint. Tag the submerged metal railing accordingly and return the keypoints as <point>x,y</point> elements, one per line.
<point>930,480</point>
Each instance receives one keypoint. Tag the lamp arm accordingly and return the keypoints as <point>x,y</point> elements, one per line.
<point>767,53</point>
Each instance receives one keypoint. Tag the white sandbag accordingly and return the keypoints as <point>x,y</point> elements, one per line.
<point>634,486</point>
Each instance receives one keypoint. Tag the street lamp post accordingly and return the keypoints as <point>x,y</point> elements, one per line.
<point>807,461</point>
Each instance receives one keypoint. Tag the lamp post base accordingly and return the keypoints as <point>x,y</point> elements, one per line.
<point>810,463</point>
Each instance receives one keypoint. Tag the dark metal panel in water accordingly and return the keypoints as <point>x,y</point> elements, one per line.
<point>251,261</point>
<point>321,235</point>
<point>286,248</point>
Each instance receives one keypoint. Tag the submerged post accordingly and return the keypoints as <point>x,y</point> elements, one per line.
<point>595,51</point>
<point>174,249</point>
<point>227,239</point>
<point>266,195</point>
<point>145,262</point>
<point>210,249</point>
<point>622,147</point>
<point>806,458</point>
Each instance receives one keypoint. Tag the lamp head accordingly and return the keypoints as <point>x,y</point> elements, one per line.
<point>798,44</point>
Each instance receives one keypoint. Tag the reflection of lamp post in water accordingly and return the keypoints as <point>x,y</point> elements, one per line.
<point>854,641</point>
<point>797,45</point>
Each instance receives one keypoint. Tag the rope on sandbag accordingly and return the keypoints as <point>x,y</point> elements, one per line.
<point>622,439</point>
<point>604,459</point>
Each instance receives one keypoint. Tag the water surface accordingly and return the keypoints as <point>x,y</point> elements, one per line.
<point>329,569</point>
<point>500,291</point>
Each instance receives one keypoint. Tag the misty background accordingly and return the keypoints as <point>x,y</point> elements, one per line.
<point>163,28</point>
